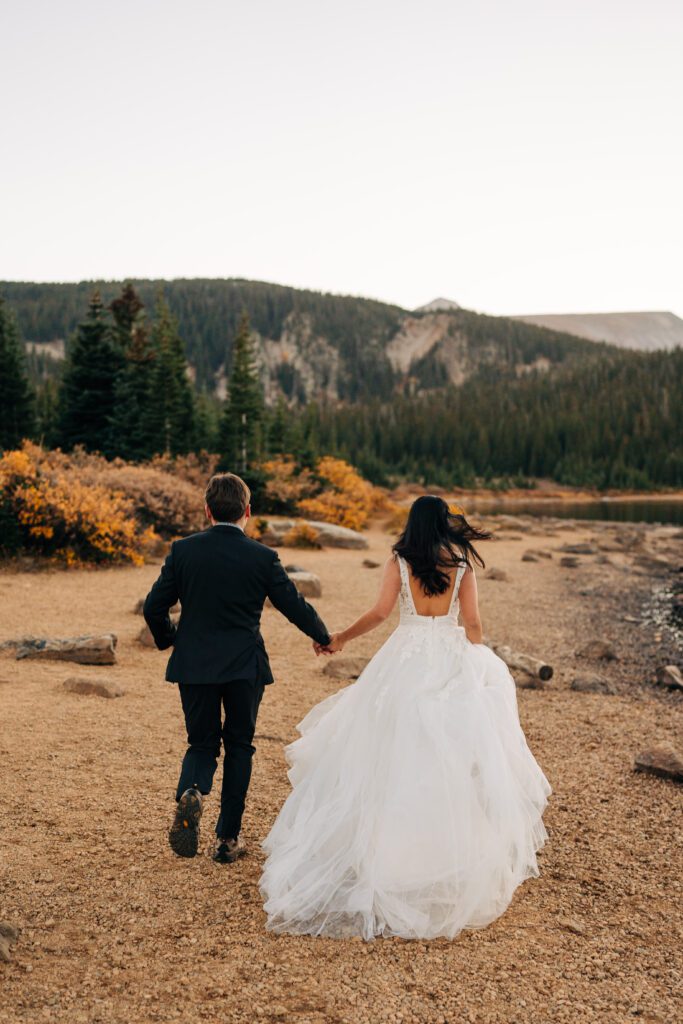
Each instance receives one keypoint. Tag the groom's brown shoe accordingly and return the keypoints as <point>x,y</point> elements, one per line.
<point>229,850</point>
<point>184,832</point>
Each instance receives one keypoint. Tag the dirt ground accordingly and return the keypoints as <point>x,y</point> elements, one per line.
<point>116,929</point>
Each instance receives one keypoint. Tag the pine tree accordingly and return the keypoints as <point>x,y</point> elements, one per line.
<point>244,407</point>
<point>172,411</point>
<point>93,364</point>
<point>131,429</point>
<point>17,409</point>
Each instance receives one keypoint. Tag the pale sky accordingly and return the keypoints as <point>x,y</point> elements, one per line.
<point>518,156</point>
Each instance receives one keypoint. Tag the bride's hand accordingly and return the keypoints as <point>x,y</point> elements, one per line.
<point>335,645</point>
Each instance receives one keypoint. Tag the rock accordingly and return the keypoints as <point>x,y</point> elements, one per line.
<point>307,583</point>
<point>570,561</point>
<point>579,549</point>
<point>598,650</point>
<point>175,610</point>
<point>368,563</point>
<point>145,637</point>
<point>345,668</point>
<point>529,557</point>
<point>670,675</point>
<point>663,760</point>
<point>91,685</point>
<point>329,535</point>
<point>295,568</point>
<point>497,574</point>
<point>539,552</point>
<point>85,650</point>
<point>601,650</point>
<point>8,936</point>
<point>652,564</point>
<point>591,682</point>
<point>572,925</point>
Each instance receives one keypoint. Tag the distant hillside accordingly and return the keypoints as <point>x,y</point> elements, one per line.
<point>312,345</point>
<point>644,331</point>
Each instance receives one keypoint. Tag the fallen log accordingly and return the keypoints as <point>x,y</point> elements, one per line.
<point>84,650</point>
<point>522,662</point>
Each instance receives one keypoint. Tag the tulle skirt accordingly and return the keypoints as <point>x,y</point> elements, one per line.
<point>416,804</point>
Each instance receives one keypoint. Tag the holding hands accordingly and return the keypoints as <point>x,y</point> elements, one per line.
<point>335,646</point>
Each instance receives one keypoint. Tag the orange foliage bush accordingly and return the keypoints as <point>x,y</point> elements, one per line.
<point>345,498</point>
<point>169,504</point>
<point>195,468</point>
<point>286,484</point>
<point>55,512</point>
<point>302,535</point>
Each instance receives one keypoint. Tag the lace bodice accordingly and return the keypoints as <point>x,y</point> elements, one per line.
<point>408,611</point>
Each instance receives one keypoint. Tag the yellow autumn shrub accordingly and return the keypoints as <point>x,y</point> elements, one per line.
<point>302,535</point>
<point>344,498</point>
<point>50,509</point>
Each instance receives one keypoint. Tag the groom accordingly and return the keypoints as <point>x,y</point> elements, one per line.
<point>222,579</point>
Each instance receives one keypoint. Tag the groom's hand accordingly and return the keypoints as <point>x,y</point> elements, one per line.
<point>333,646</point>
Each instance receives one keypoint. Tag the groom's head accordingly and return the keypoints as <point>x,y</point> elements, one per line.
<point>227,499</point>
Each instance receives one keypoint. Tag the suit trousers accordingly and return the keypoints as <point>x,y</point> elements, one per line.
<point>227,712</point>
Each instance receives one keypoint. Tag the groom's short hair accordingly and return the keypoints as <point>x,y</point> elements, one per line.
<point>227,496</point>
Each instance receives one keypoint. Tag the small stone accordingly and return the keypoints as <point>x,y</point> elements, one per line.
<point>663,760</point>
<point>497,574</point>
<point>369,563</point>
<point>145,637</point>
<point>570,562</point>
<point>572,925</point>
<point>591,682</point>
<point>89,685</point>
<point>529,557</point>
<point>307,583</point>
<point>345,668</point>
<point>599,650</point>
<point>670,675</point>
<point>579,549</point>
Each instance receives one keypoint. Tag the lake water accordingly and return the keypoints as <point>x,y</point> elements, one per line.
<point>651,510</point>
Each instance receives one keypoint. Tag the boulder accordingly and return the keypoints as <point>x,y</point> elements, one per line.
<point>579,549</point>
<point>539,553</point>
<point>662,760</point>
<point>329,535</point>
<point>91,685</point>
<point>671,676</point>
<point>497,574</point>
<point>570,562</point>
<point>345,668</point>
<point>295,568</point>
<point>307,583</point>
<point>591,682</point>
<point>85,650</point>
<point>598,650</point>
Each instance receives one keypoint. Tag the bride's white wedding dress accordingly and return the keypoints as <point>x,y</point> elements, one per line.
<point>416,804</point>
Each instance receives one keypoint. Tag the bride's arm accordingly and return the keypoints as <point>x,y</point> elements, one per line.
<point>381,609</point>
<point>469,607</point>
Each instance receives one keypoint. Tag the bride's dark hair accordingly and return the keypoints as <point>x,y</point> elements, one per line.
<point>435,540</point>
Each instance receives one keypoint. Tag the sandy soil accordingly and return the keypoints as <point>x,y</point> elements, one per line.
<point>115,929</point>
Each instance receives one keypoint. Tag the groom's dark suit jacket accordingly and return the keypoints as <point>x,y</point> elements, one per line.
<point>222,579</point>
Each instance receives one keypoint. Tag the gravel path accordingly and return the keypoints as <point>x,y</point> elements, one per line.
<point>115,929</point>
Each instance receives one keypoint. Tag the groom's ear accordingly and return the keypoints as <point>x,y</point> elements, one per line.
<point>247,511</point>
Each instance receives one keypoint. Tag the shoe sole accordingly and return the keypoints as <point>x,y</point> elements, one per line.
<point>183,836</point>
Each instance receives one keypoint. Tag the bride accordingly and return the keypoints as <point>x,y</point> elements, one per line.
<point>416,807</point>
